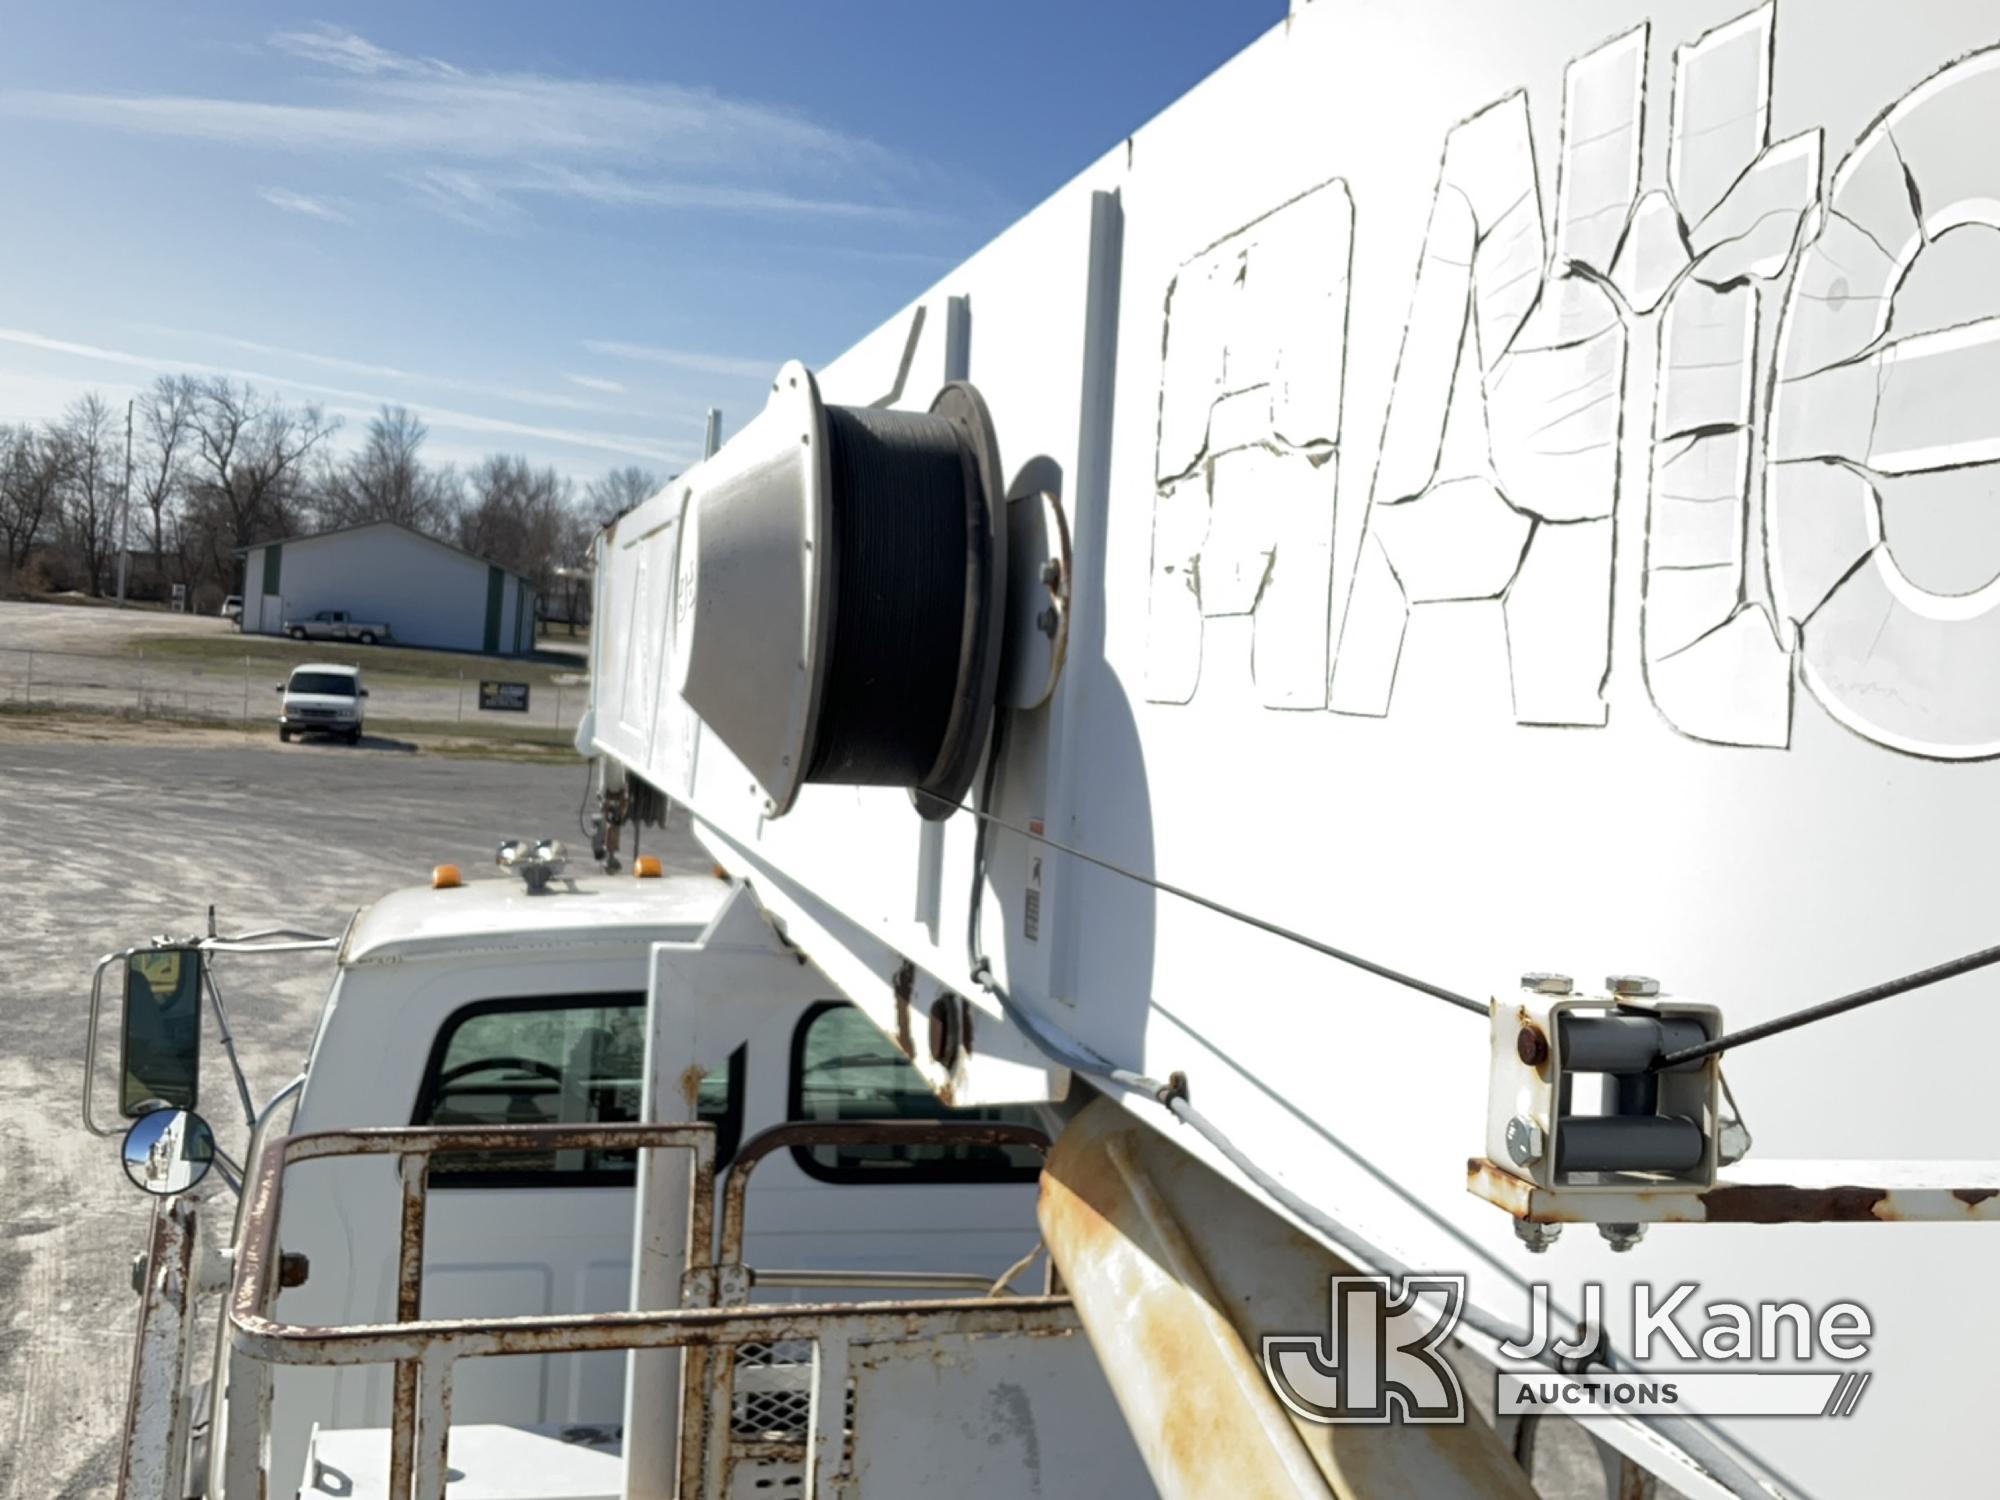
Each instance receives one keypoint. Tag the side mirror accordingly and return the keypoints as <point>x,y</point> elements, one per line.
<point>279,688</point>
<point>168,1151</point>
<point>364,692</point>
<point>160,1056</point>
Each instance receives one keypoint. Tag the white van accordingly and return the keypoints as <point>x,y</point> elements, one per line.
<point>322,698</point>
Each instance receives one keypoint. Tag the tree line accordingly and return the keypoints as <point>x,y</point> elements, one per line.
<point>218,465</point>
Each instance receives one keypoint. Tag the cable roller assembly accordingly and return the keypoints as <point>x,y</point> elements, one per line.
<point>841,591</point>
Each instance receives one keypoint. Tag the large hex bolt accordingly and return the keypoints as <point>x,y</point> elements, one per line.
<point>1525,1140</point>
<point>1632,986</point>
<point>1548,984</point>
<point>1536,1238</point>
<point>1622,1237</point>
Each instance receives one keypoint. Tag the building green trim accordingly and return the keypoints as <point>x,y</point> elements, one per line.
<point>496,595</point>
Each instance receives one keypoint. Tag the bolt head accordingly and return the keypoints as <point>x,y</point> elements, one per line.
<point>1547,984</point>
<point>1531,1045</point>
<point>1052,572</point>
<point>1732,1143</point>
<point>1632,986</point>
<point>1622,1237</point>
<point>1536,1238</point>
<point>1525,1140</point>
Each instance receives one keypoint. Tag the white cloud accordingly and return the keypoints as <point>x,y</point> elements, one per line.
<point>517,394</point>
<point>594,383</point>
<point>472,143</point>
<point>303,203</point>
<point>335,48</point>
<point>685,359</point>
<point>359,405</point>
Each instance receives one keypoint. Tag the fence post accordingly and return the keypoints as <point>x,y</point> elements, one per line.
<point>461,695</point>
<point>31,676</point>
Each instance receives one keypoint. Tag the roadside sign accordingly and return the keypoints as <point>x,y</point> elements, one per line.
<point>503,697</point>
<point>180,598</point>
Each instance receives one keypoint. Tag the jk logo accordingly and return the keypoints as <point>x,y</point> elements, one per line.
<point>1379,1360</point>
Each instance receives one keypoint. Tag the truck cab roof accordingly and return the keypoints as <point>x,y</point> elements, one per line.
<point>344,669</point>
<point>499,914</point>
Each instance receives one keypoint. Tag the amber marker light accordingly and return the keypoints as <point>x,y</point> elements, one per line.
<point>646,867</point>
<point>444,878</point>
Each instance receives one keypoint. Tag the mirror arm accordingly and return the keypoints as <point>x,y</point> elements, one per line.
<point>90,1037</point>
<point>229,1046</point>
<point>222,943</point>
<point>230,1173</point>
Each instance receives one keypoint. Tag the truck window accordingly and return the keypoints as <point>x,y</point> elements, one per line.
<point>554,1060</point>
<point>844,1068</point>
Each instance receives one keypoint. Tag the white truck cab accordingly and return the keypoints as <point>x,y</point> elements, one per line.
<point>554,1003</point>
<point>322,698</point>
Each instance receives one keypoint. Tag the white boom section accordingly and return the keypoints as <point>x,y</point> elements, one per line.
<point>1530,469</point>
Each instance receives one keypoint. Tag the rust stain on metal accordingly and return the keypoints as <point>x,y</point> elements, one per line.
<point>1502,1188</point>
<point>1531,1043</point>
<point>691,1077</point>
<point>904,984</point>
<point>944,1031</point>
<point>156,1411</point>
<point>1770,1204</point>
<point>1532,1046</point>
<point>1083,1202</point>
<point>1973,1197</point>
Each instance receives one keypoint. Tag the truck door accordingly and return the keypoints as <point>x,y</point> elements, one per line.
<point>882,1209</point>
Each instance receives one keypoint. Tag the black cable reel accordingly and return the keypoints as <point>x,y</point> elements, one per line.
<point>841,594</point>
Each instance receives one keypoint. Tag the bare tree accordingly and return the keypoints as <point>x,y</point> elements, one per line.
<point>89,437</point>
<point>249,456</point>
<point>609,497</point>
<point>386,479</point>
<point>31,476</point>
<point>514,516</point>
<point>165,422</point>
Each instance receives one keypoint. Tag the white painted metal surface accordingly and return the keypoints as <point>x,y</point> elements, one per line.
<point>493,1462</point>
<point>1530,471</point>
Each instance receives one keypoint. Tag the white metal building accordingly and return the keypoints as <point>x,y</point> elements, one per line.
<point>427,592</point>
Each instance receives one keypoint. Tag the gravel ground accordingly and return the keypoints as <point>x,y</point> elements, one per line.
<point>101,845</point>
<point>201,666</point>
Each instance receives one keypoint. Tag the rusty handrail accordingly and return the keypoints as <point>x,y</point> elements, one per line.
<point>425,1351</point>
<point>855,1133</point>
<point>255,1290</point>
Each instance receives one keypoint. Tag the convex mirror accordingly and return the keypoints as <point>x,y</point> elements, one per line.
<point>168,1151</point>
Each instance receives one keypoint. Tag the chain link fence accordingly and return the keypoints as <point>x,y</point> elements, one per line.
<point>245,691</point>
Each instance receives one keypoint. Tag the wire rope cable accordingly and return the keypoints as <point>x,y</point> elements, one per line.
<point>1682,1433</point>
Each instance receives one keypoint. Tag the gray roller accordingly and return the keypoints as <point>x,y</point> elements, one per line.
<point>1625,1043</point>
<point>1646,1143</point>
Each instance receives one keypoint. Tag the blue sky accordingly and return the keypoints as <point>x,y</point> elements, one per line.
<point>554,229</point>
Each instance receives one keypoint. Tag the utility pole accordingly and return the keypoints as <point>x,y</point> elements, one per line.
<point>125,508</point>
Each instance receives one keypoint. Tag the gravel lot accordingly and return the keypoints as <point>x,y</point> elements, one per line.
<point>200,666</point>
<point>103,844</point>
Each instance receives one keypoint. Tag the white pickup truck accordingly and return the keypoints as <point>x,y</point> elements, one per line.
<point>337,625</point>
